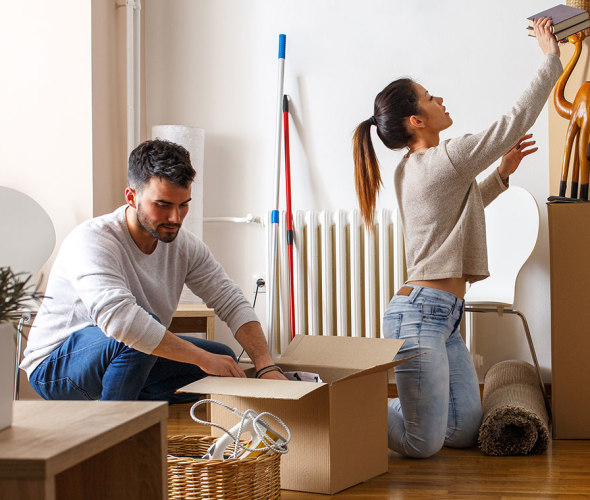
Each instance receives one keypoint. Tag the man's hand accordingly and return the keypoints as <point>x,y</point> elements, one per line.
<point>512,159</point>
<point>251,338</point>
<point>177,349</point>
<point>220,365</point>
<point>274,375</point>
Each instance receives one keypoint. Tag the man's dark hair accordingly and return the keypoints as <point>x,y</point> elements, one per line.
<point>161,159</point>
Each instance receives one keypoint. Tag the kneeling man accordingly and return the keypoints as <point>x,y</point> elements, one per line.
<point>101,332</point>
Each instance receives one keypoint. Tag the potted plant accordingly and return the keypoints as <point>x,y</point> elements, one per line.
<point>17,295</point>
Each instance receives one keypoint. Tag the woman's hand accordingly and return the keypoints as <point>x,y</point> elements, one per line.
<point>545,37</point>
<point>512,159</point>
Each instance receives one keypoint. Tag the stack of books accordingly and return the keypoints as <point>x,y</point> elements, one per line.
<point>566,20</point>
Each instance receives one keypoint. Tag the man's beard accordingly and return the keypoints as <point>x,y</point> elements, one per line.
<point>148,227</point>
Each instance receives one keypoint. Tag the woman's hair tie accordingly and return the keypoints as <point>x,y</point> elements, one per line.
<point>373,120</point>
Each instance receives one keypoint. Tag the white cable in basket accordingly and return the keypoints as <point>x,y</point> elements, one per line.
<point>263,437</point>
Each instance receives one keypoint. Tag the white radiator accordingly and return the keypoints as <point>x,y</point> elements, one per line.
<point>344,274</point>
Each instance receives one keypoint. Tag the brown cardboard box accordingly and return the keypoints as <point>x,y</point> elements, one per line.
<point>569,244</point>
<point>338,427</point>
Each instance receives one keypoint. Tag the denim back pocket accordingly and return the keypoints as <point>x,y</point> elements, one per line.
<point>392,325</point>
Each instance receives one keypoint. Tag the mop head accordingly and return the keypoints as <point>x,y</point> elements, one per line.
<point>515,420</point>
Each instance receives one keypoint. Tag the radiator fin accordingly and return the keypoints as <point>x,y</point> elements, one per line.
<point>344,273</point>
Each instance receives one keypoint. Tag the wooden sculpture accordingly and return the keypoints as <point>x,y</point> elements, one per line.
<point>578,130</point>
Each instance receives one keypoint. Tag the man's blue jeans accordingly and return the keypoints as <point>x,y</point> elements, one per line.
<point>439,401</point>
<point>90,365</point>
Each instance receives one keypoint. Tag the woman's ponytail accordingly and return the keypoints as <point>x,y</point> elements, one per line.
<point>367,177</point>
<point>393,105</point>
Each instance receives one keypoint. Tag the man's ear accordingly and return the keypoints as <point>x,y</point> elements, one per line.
<point>131,197</point>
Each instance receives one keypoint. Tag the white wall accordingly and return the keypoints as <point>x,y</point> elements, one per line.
<point>46,113</point>
<point>213,64</point>
<point>62,118</point>
<point>46,103</point>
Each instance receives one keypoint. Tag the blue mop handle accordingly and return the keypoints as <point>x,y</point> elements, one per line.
<point>282,46</point>
<point>272,285</point>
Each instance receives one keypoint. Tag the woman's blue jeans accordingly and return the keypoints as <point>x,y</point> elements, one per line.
<point>439,400</point>
<point>90,365</point>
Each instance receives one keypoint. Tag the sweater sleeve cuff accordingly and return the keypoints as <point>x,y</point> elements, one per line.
<point>152,338</point>
<point>143,334</point>
<point>505,183</point>
<point>491,187</point>
<point>241,317</point>
<point>500,185</point>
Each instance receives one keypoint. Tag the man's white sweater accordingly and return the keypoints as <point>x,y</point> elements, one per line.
<point>100,277</point>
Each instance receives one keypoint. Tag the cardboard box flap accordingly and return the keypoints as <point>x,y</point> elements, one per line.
<point>252,388</point>
<point>368,371</point>
<point>343,352</point>
<point>378,368</point>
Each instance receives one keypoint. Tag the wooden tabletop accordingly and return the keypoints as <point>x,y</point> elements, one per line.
<point>193,310</point>
<point>48,437</point>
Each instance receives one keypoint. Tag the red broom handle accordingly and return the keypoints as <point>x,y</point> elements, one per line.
<point>289,214</point>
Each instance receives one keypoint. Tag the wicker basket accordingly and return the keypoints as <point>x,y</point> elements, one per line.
<point>194,478</point>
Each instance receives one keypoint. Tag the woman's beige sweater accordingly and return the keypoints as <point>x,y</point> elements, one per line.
<point>441,204</point>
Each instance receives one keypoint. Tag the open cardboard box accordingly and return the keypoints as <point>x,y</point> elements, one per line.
<point>338,427</point>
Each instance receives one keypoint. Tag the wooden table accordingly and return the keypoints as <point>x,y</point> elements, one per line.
<point>85,450</point>
<point>194,318</point>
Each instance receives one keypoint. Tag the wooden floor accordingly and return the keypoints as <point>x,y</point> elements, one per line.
<point>562,472</point>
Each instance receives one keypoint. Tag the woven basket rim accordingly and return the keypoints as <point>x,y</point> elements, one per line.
<point>196,437</point>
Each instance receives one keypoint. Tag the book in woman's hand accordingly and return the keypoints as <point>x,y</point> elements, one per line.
<point>563,17</point>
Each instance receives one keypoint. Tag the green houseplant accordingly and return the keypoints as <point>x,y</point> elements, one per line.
<point>17,295</point>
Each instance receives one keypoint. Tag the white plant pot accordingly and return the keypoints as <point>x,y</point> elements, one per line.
<point>7,360</point>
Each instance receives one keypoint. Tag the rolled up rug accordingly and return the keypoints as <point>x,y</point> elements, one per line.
<point>515,420</point>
